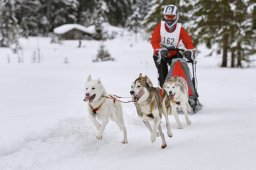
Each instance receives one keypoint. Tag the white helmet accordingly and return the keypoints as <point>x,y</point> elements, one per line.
<point>171,15</point>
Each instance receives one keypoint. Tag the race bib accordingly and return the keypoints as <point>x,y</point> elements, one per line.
<point>170,39</point>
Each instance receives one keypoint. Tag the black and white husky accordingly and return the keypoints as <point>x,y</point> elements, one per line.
<point>151,106</point>
<point>102,108</point>
<point>177,90</point>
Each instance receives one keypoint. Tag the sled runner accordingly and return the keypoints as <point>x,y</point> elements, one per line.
<point>179,67</point>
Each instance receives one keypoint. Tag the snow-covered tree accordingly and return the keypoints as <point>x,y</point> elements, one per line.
<point>85,9</point>
<point>134,22</point>
<point>26,13</point>
<point>155,13</point>
<point>119,11</point>
<point>142,6</point>
<point>226,24</point>
<point>100,17</point>
<point>9,28</point>
<point>56,13</point>
<point>241,28</point>
<point>212,24</point>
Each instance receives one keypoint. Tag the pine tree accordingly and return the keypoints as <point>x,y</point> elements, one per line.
<point>119,11</point>
<point>155,14</point>
<point>26,13</point>
<point>100,17</point>
<point>248,41</point>
<point>117,14</point>
<point>133,22</point>
<point>143,7</point>
<point>226,24</point>
<point>210,26</point>
<point>239,28</point>
<point>85,9</point>
<point>9,28</point>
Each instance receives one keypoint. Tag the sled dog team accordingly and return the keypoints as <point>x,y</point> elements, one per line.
<point>151,104</point>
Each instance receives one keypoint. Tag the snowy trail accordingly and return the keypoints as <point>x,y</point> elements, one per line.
<point>45,126</point>
<point>212,142</point>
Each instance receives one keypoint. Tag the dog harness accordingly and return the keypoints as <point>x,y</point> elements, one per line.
<point>94,110</point>
<point>151,109</point>
<point>178,103</point>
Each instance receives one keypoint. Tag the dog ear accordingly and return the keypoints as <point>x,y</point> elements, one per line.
<point>89,78</point>
<point>149,82</point>
<point>141,77</point>
<point>98,81</point>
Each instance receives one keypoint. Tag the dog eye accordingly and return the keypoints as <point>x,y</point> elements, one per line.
<point>93,88</point>
<point>173,87</point>
<point>86,88</point>
<point>138,86</point>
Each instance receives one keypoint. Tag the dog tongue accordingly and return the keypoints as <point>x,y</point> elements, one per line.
<point>86,99</point>
<point>141,92</point>
<point>171,97</point>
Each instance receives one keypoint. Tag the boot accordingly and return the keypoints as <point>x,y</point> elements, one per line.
<point>195,104</point>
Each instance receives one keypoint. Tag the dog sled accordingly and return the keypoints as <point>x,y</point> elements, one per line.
<point>179,67</point>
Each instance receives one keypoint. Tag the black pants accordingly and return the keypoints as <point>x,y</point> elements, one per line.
<point>162,68</point>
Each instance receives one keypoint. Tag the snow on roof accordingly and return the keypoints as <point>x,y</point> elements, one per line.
<point>67,27</point>
<point>106,28</point>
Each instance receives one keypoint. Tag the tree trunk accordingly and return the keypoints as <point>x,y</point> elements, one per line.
<point>233,58</point>
<point>48,13</point>
<point>239,55</point>
<point>79,12</point>
<point>225,50</point>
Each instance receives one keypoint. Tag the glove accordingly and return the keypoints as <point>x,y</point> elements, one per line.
<point>161,53</point>
<point>187,55</point>
<point>190,55</point>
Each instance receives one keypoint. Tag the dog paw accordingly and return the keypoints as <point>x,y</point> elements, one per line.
<point>170,134</point>
<point>99,137</point>
<point>180,127</point>
<point>163,146</point>
<point>125,141</point>
<point>189,122</point>
<point>153,138</point>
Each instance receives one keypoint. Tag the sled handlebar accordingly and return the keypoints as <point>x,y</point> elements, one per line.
<point>175,49</point>
<point>186,55</point>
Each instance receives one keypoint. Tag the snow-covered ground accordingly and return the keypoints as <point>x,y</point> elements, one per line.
<point>44,123</point>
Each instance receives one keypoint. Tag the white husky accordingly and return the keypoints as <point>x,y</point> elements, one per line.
<point>102,107</point>
<point>177,89</point>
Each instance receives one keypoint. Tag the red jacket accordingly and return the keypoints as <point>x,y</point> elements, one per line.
<point>156,39</point>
